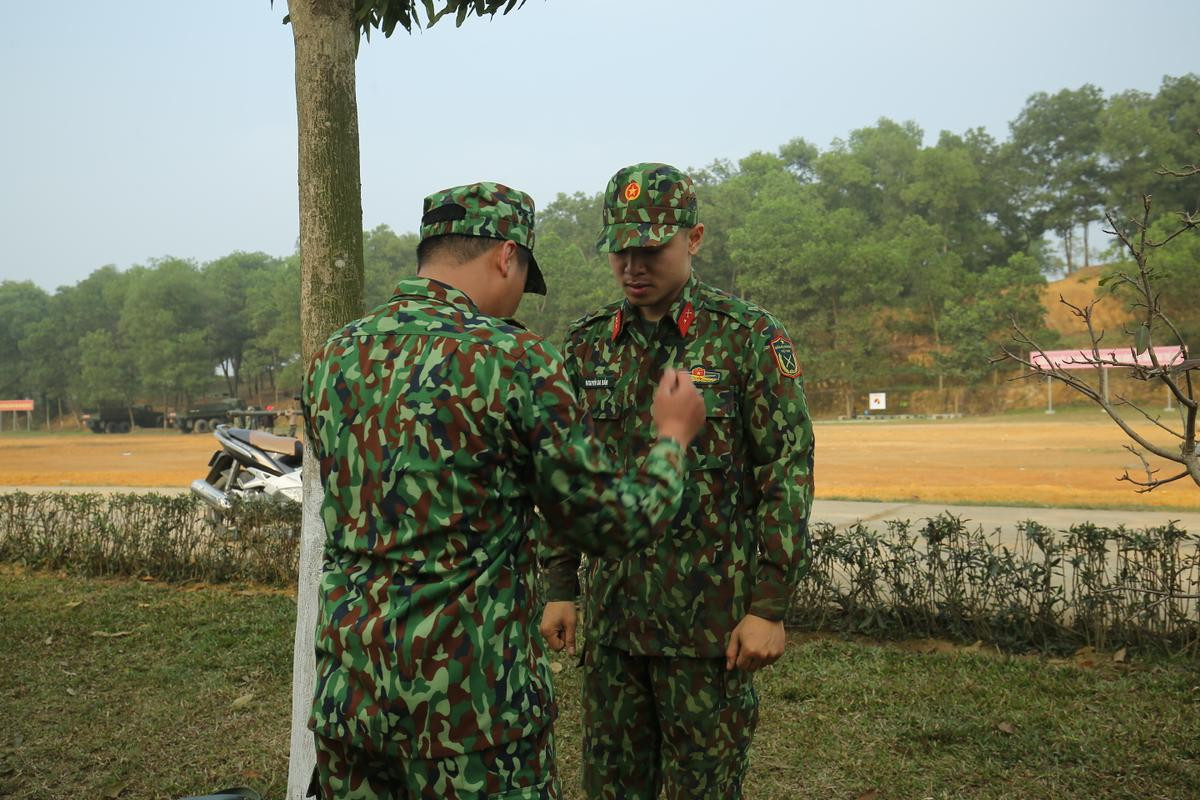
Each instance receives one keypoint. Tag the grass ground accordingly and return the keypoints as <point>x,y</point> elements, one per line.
<point>127,689</point>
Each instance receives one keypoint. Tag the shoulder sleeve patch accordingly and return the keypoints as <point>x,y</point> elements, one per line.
<point>785,356</point>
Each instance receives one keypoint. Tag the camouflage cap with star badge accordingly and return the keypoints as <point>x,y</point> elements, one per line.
<point>645,205</point>
<point>488,210</point>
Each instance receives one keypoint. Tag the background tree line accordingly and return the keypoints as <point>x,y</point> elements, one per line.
<point>895,264</point>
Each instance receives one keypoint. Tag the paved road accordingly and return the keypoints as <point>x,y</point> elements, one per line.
<point>847,512</point>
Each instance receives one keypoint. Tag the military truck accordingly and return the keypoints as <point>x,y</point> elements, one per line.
<point>120,419</point>
<point>204,417</point>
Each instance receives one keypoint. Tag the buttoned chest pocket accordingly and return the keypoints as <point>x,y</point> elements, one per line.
<point>606,412</point>
<point>713,448</point>
<point>603,405</point>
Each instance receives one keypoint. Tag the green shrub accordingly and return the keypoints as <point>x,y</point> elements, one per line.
<point>165,537</point>
<point>1104,587</point>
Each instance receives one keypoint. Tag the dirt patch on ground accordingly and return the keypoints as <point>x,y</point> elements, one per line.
<point>1080,288</point>
<point>141,458</point>
<point>1067,459</point>
<point>1072,458</point>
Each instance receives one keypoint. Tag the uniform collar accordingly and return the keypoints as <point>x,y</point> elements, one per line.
<point>682,312</point>
<point>438,292</point>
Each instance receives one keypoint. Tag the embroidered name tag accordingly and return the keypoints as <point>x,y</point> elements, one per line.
<point>595,383</point>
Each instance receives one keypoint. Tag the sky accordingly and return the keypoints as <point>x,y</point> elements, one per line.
<point>133,130</point>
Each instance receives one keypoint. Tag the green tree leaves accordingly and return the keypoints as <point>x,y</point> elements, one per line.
<point>21,305</point>
<point>892,262</point>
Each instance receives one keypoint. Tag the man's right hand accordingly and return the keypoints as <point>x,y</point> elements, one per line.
<point>558,625</point>
<point>678,408</point>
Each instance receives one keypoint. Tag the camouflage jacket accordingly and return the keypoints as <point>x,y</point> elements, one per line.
<point>740,542</point>
<point>437,429</point>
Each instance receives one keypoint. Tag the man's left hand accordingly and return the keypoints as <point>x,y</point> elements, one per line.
<point>755,643</point>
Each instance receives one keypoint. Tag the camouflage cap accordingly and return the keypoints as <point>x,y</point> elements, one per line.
<point>645,205</point>
<point>488,210</point>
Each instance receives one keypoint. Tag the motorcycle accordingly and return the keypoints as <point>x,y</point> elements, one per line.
<point>250,463</point>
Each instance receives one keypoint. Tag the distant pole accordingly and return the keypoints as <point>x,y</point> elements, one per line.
<point>1169,408</point>
<point>1049,395</point>
<point>1104,382</point>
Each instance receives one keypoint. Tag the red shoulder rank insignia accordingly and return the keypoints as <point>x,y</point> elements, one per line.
<point>616,324</point>
<point>686,318</point>
<point>785,356</point>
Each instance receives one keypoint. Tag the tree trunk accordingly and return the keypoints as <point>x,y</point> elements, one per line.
<point>1086,257</point>
<point>331,281</point>
<point>1067,248</point>
<point>937,348</point>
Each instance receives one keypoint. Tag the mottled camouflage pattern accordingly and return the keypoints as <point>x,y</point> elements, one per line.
<point>681,726</point>
<point>523,769</point>
<point>437,428</point>
<point>492,211</point>
<point>740,542</point>
<point>645,205</point>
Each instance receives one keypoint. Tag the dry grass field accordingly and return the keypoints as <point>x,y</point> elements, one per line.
<point>143,458</point>
<point>1072,459</point>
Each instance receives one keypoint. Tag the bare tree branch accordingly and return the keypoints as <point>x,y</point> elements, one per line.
<point>1122,401</point>
<point>1151,483</point>
<point>1134,237</point>
<point>1189,223</point>
<point>1186,172</point>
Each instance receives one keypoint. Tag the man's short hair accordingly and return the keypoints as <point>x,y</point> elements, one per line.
<point>460,249</point>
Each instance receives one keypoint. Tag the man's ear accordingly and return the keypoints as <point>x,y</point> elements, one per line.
<point>695,237</point>
<point>506,257</point>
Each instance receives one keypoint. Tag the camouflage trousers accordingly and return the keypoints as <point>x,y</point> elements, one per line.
<point>521,770</point>
<point>654,723</point>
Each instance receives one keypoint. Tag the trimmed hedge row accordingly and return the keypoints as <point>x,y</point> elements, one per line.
<point>1051,592</point>
<point>170,538</point>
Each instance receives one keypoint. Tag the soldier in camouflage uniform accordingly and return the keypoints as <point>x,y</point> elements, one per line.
<point>438,426</point>
<point>675,630</point>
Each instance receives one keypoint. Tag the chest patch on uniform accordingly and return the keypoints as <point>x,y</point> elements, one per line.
<point>600,382</point>
<point>703,375</point>
<point>785,356</point>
